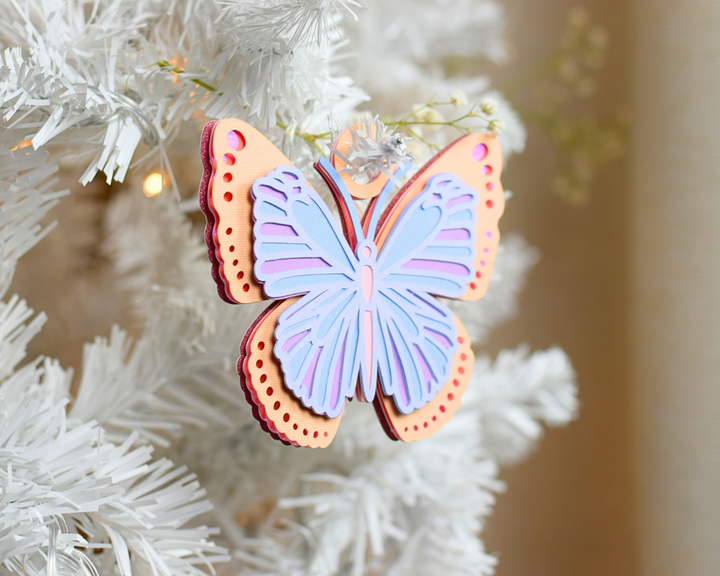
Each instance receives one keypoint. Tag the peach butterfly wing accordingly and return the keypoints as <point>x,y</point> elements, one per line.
<point>476,159</point>
<point>234,156</point>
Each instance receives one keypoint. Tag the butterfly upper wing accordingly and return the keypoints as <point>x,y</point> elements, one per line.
<point>476,160</point>
<point>298,245</point>
<point>431,247</point>
<point>234,155</point>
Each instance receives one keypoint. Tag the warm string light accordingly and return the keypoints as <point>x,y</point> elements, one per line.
<point>23,144</point>
<point>153,185</point>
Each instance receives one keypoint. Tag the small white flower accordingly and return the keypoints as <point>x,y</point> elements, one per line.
<point>488,106</point>
<point>458,98</point>
<point>429,114</point>
<point>495,126</point>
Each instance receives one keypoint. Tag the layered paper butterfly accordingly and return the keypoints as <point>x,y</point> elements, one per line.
<point>355,311</point>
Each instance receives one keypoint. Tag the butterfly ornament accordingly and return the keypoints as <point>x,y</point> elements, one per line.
<point>354,306</point>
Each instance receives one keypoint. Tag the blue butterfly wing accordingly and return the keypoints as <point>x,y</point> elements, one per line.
<point>299,249</point>
<point>298,246</point>
<point>432,245</point>
<point>429,252</point>
<point>418,339</point>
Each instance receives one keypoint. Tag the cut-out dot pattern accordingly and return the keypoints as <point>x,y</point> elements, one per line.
<point>228,231</point>
<point>227,177</point>
<point>240,275</point>
<point>235,262</point>
<point>489,203</point>
<point>437,412</point>
<point>246,287</point>
<point>489,186</point>
<point>229,159</point>
<point>232,248</point>
<point>228,196</point>
<point>487,169</point>
<point>283,413</point>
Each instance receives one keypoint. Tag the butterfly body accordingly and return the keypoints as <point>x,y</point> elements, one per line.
<point>357,313</point>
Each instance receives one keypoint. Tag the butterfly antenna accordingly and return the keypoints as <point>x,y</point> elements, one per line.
<point>331,176</point>
<point>379,200</point>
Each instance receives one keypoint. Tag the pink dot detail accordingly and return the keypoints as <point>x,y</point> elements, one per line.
<point>487,169</point>
<point>235,140</point>
<point>489,186</point>
<point>482,262</point>
<point>486,251</point>
<point>479,152</point>
<point>488,234</point>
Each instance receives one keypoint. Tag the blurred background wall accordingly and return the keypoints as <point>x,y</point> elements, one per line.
<point>570,509</point>
<point>676,283</point>
<point>629,286</point>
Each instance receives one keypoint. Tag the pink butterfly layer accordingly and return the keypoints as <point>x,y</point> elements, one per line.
<point>246,194</point>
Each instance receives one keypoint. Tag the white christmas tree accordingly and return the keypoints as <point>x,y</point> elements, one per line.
<point>113,86</point>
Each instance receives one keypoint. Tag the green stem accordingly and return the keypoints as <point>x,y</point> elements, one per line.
<point>165,65</point>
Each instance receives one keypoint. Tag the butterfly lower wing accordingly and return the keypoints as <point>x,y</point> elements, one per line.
<point>476,160</point>
<point>427,420</point>
<point>319,347</point>
<point>234,155</point>
<point>417,341</point>
<point>276,408</point>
